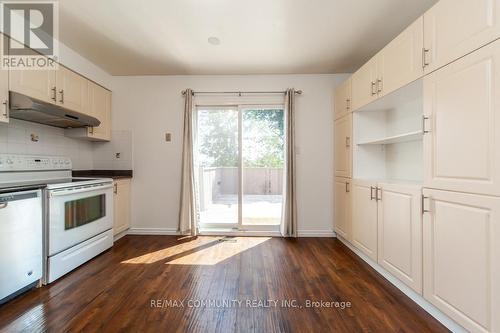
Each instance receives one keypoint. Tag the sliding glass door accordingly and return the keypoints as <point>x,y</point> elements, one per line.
<point>239,154</point>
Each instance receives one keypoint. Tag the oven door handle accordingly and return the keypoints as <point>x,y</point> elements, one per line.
<point>90,188</point>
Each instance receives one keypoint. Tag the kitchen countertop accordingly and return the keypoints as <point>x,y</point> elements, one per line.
<point>114,174</point>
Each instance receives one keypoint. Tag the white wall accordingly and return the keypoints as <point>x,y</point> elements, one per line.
<point>149,106</point>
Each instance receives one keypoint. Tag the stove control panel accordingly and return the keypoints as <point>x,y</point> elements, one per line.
<point>11,162</point>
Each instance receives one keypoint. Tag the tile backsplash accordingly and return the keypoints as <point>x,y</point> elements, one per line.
<point>21,137</point>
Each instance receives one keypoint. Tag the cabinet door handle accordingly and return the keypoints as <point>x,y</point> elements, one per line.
<point>348,104</point>
<point>374,91</point>
<point>91,130</point>
<point>424,57</point>
<point>115,190</point>
<point>6,109</point>
<point>424,119</point>
<point>371,192</point>
<point>379,86</point>
<point>347,187</point>
<point>423,205</point>
<point>347,142</point>
<point>62,96</point>
<point>54,94</point>
<point>378,189</point>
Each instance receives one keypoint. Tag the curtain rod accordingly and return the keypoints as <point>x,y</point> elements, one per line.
<point>298,92</point>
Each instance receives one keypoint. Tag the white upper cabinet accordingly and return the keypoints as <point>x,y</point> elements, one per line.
<point>342,206</point>
<point>364,84</point>
<point>342,102</point>
<point>400,62</point>
<point>462,107</point>
<point>461,242</point>
<point>454,28</point>
<point>72,90</point>
<point>343,146</point>
<point>364,217</point>
<point>39,84</point>
<point>400,232</point>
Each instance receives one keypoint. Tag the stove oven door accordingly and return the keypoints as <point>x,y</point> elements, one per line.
<point>77,214</point>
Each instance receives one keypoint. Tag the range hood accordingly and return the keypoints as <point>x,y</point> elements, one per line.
<point>31,109</point>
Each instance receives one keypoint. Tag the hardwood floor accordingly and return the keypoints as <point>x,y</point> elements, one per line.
<point>128,288</point>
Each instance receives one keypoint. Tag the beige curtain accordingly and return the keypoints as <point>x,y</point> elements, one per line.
<point>188,219</point>
<point>289,216</point>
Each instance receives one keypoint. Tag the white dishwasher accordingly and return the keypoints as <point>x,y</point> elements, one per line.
<point>20,241</point>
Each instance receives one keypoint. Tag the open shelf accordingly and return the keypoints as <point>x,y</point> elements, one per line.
<point>400,138</point>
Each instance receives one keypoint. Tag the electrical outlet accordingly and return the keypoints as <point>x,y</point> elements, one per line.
<point>168,137</point>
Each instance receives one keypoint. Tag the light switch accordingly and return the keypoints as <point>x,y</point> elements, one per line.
<point>168,137</point>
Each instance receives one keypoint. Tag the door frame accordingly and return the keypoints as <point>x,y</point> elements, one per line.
<point>238,228</point>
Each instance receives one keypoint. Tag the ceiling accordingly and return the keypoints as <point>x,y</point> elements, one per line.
<point>155,37</point>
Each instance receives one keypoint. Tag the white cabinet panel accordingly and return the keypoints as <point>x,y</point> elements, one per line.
<point>400,232</point>
<point>454,28</point>
<point>72,90</point>
<point>461,100</point>
<point>342,102</point>
<point>364,217</point>
<point>400,62</point>
<point>343,146</point>
<point>364,84</point>
<point>39,84</point>
<point>462,257</point>
<point>342,207</point>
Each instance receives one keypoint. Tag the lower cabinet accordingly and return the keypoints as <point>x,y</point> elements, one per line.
<point>342,204</point>
<point>387,227</point>
<point>121,205</point>
<point>364,217</point>
<point>461,256</point>
<point>400,232</point>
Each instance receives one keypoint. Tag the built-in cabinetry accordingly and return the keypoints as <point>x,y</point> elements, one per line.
<point>462,257</point>
<point>453,29</point>
<point>121,205</point>
<point>65,88</point>
<point>424,198</point>
<point>343,146</point>
<point>342,99</point>
<point>342,207</point>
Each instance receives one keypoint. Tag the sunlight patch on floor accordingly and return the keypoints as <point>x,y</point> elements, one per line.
<point>219,252</point>
<point>205,250</point>
<point>164,254</point>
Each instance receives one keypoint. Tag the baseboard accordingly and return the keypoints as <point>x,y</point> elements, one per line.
<point>153,231</point>
<point>316,233</point>
<point>120,235</point>
<point>417,298</point>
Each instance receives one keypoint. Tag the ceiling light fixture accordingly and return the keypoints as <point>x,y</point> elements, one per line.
<point>214,40</point>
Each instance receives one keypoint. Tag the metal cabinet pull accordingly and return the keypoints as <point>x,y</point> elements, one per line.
<point>115,190</point>
<point>348,104</point>
<point>54,94</point>
<point>347,189</point>
<point>374,91</point>
<point>424,57</point>
<point>371,192</point>
<point>347,142</point>
<point>62,96</point>
<point>424,130</point>
<point>6,109</point>
<point>423,205</point>
<point>379,86</point>
<point>91,130</point>
<point>378,189</point>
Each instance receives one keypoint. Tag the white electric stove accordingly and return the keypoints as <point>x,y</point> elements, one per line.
<point>77,212</point>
